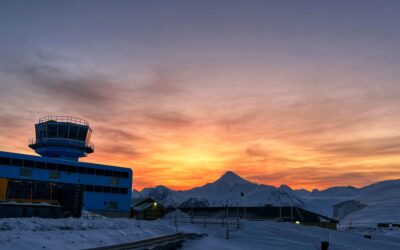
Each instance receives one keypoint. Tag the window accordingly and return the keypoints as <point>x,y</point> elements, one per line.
<point>89,188</point>
<point>63,131</point>
<point>73,132</point>
<point>98,188</point>
<point>91,171</point>
<point>29,164</point>
<point>123,190</point>
<point>61,167</point>
<point>52,130</point>
<point>82,133</point>
<point>17,162</point>
<point>54,175</point>
<point>108,173</point>
<point>71,169</point>
<point>112,205</point>
<point>41,165</point>
<point>99,171</point>
<point>82,170</point>
<point>107,189</point>
<point>25,172</point>
<point>114,181</point>
<point>51,166</point>
<point>116,174</point>
<point>88,135</point>
<point>124,174</point>
<point>4,161</point>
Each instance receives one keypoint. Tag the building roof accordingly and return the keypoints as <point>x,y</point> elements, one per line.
<point>142,206</point>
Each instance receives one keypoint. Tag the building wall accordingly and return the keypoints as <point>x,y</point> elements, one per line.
<point>101,193</point>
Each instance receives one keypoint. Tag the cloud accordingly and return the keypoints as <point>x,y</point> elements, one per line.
<point>310,177</point>
<point>116,133</point>
<point>169,119</point>
<point>60,83</point>
<point>120,148</point>
<point>163,83</point>
<point>372,147</point>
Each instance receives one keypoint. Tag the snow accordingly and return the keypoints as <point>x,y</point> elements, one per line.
<point>274,235</point>
<point>37,233</point>
<point>227,188</point>
<point>361,209</point>
<point>379,202</point>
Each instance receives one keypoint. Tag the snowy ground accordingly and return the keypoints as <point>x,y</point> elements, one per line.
<point>36,233</point>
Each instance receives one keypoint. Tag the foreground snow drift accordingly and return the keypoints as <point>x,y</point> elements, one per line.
<point>36,233</point>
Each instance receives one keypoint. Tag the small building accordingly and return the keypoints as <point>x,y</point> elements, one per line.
<point>284,214</point>
<point>147,209</point>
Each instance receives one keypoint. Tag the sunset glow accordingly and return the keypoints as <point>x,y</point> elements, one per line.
<point>289,95</point>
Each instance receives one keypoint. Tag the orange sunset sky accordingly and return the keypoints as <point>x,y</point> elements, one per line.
<point>303,93</point>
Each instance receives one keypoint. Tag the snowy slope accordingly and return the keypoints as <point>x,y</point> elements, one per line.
<point>374,203</point>
<point>382,202</point>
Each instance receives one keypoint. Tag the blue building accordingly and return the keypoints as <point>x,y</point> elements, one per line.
<point>61,141</point>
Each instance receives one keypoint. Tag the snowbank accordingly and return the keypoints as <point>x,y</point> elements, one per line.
<point>37,233</point>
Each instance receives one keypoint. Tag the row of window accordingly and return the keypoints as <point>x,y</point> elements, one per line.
<point>67,131</point>
<point>55,175</point>
<point>26,172</point>
<point>85,187</point>
<point>61,167</point>
<point>104,189</point>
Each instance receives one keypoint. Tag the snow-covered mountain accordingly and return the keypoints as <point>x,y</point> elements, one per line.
<point>227,189</point>
<point>347,203</point>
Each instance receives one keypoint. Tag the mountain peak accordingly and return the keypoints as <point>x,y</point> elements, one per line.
<point>232,178</point>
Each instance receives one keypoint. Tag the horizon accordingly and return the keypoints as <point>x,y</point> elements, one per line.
<point>282,184</point>
<point>301,93</point>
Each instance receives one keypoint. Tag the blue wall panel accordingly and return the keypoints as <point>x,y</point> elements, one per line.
<point>92,200</point>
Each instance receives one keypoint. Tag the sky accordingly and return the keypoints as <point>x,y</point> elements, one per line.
<point>303,93</point>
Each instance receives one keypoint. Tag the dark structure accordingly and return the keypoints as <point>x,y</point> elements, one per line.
<point>57,178</point>
<point>36,194</point>
<point>30,210</point>
<point>62,137</point>
<point>147,209</point>
<point>289,214</point>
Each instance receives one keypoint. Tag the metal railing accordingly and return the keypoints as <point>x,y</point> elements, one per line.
<point>69,119</point>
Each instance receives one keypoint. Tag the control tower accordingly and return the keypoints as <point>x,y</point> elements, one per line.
<point>62,137</point>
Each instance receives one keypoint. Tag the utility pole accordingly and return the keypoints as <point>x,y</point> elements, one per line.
<point>191,218</point>
<point>244,207</point>
<point>237,215</point>
<point>291,214</point>
<point>176,220</point>
<point>227,220</point>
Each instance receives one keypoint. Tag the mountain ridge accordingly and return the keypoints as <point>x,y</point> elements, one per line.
<point>229,187</point>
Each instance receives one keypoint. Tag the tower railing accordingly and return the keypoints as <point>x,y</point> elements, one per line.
<point>69,119</point>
